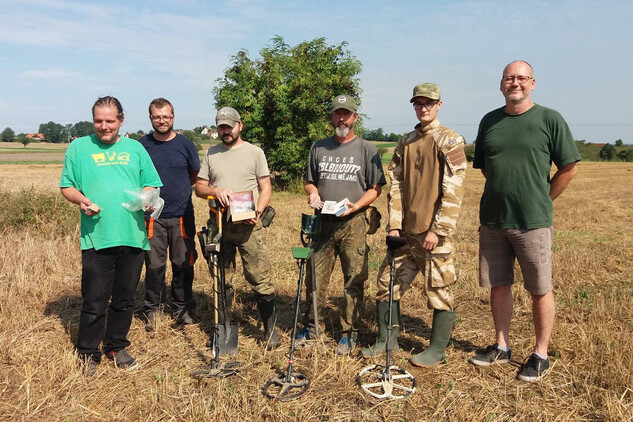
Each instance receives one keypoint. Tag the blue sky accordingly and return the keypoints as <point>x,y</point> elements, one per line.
<point>58,56</point>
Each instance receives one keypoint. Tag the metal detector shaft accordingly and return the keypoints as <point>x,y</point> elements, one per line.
<point>392,276</point>
<point>294,326</point>
<point>315,307</point>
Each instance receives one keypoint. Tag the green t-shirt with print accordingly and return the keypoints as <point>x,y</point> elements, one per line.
<point>103,173</point>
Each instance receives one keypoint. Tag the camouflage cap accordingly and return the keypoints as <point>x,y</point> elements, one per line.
<point>344,101</point>
<point>227,116</point>
<point>427,90</point>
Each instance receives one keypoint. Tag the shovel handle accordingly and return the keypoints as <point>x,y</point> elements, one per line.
<point>217,209</point>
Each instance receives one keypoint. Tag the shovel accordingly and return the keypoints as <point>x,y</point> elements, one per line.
<point>225,338</point>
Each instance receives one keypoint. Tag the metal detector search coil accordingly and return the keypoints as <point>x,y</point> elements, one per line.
<point>388,381</point>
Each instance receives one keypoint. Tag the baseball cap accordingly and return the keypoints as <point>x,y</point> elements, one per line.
<point>427,90</point>
<point>343,101</point>
<point>227,116</point>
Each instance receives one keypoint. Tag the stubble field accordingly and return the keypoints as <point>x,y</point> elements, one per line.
<point>592,368</point>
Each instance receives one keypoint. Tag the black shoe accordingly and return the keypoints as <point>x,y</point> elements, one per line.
<point>534,369</point>
<point>491,355</point>
<point>150,318</point>
<point>122,359</point>
<point>184,318</point>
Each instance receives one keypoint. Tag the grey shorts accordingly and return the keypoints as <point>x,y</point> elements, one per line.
<point>498,249</point>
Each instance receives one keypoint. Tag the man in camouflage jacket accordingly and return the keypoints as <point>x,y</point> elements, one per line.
<point>427,173</point>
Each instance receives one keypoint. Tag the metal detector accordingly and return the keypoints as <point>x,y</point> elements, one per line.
<point>310,230</point>
<point>225,336</point>
<point>289,385</point>
<point>387,381</point>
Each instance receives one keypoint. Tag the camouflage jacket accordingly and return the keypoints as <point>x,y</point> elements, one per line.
<point>449,165</point>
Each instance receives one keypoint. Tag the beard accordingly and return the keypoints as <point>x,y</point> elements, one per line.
<point>342,131</point>
<point>163,131</point>
<point>229,139</point>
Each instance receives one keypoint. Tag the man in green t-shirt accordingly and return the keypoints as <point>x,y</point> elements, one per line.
<point>99,169</point>
<point>514,149</point>
<point>228,168</point>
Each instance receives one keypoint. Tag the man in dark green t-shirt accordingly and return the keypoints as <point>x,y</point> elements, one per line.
<point>514,149</point>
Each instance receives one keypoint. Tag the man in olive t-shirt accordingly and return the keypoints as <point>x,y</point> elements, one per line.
<point>514,149</point>
<point>231,166</point>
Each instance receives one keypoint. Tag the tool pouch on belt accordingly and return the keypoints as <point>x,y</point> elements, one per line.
<point>267,216</point>
<point>373,219</point>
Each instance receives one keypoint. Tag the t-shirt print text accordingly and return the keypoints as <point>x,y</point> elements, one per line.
<point>338,168</point>
<point>111,158</point>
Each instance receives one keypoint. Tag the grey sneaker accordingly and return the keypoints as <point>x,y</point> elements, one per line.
<point>534,369</point>
<point>88,367</point>
<point>345,346</point>
<point>122,359</point>
<point>491,355</point>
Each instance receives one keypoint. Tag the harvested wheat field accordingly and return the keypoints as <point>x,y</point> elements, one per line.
<point>592,366</point>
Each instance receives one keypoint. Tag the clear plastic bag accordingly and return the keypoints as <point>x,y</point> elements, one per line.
<point>144,200</point>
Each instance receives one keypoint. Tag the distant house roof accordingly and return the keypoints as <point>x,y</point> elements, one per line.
<point>36,136</point>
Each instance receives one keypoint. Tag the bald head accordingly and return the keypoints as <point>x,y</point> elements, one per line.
<point>522,63</point>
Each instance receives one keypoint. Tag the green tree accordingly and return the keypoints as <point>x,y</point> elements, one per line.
<point>53,132</point>
<point>284,97</point>
<point>469,150</point>
<point>82,128</point>
<point>607,152</point>
<point>626,155</point>
<point>8,135</point>
<point>619,143</point>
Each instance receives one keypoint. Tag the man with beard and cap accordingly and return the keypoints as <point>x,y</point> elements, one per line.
<point>427,174</point>
<point>342,166</point>
<point>98,169</point>
<point>515,148</point>
<point>176,160</point>
<point>231,166</point>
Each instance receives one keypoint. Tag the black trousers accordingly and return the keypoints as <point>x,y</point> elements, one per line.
<point>108,280</point>
<point>176,237</point>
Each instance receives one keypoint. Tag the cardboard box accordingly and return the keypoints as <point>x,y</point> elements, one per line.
<point>243,206</point>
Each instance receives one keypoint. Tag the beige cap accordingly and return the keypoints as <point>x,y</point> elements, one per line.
<point>227,116</point>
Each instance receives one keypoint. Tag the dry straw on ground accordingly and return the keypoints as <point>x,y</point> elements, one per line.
<point>591,376</point>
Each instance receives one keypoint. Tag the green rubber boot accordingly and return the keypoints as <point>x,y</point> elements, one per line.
<point>382,316</point>
<point>440,336</point>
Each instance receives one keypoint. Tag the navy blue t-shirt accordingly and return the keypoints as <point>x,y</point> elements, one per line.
<point>174,160</point>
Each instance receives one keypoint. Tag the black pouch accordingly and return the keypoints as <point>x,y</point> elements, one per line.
<point>373,219</point>
<point>267,216</point>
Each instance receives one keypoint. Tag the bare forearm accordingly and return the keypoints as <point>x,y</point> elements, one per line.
<point>561,180</point>
<point>265,193</point>
<point>203,189</point>
<point>368,197</point>
<point>74,196</point>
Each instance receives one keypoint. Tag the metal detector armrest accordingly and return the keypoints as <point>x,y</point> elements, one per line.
<point>395,242</point>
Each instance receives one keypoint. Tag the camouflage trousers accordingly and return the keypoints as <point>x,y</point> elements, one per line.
<point>345,238</point>
<point>249,241</point>
<point>437,268</point>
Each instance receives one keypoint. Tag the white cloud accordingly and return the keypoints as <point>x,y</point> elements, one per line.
<point>53,73</point>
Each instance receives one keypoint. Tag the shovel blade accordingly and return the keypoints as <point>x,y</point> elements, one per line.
<point>227,339</point>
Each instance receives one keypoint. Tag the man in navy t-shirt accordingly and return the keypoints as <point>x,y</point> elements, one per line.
<point>176,159</point>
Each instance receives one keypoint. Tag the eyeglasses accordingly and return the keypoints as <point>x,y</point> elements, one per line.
<point>428,106</point>
<point>520,79</point>
<point>161,118</point>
